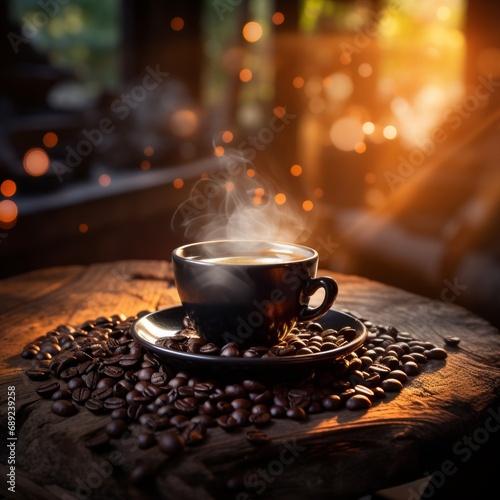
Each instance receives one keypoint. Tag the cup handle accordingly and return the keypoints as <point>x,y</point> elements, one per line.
<point>331,291</point>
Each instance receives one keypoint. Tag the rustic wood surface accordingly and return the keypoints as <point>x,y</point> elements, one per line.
<point>440,422</point>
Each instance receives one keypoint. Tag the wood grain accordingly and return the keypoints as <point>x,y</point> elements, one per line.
<point>339,454</point>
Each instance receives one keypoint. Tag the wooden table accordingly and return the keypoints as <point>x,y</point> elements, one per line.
<point>445,421</point>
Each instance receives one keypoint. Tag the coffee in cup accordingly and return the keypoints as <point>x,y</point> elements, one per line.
<point>248,291</point>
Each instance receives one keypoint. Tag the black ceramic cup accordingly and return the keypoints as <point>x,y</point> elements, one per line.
<point>249,292</point>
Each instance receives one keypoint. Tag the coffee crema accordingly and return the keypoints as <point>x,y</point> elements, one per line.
<point>257,258</point>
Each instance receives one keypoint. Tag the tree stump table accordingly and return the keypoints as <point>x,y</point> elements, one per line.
<point>443,426</point>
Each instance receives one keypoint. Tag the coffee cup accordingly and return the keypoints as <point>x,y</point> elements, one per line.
<point>249,292</point>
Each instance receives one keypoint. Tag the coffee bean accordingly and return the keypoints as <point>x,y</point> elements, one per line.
<point>259,419</point>
<point>358,402</point>
<point>97,442</point>
<point>146,440</point>
<point>116,428</point>
<point>391,385</point>
<point>257,437</point>
<point>227,422</point>
<point>80,395</point>
<point>452,341</point>
<point>61,394</point>
<point>437,353</point>
<point>171,443</point>
<point>94,405</point>
<point>332,402</point>
<point>113,371</point>
<point>411,368</point>
<point>142,475</point>
<point>75,383</point>
<point>47,390</point>
<point>38,374</point>
<point>63,408</point>
<point>296,413</point>
<point>114,403</point>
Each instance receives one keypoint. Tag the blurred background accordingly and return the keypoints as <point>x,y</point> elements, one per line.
<point>368,130</point>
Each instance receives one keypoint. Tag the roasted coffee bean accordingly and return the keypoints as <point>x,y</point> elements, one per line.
<point>437,353</point>
<point>171,443</point>
<point>103,393</point>
<point>296,413</point>
<point>61,394</point>
<point>331,402</point>
<point>365,391</point>
<point>92,379</point>
<point>116,428</point>
<point>257,437</point>
<point>113,403</point>
<point>48,389</point>
<point>399,375</point>
<point>259,419</point>
<point>69,373</point>
<point>80,395</point>
<point>113,371</point>
<point>227,422</point>
<point>75,383</point>
<point>146,440</point>
<point>187,406</point>
<point>452,341</point>
<point>63,408</point>
<point>391,385</point>
<point>411,368</point>
<point>38,374</point>
<point>358,402</point>
<point>97,442</point>
<point>142,475</point>
<point>119,413</point>
<point>94,405</point>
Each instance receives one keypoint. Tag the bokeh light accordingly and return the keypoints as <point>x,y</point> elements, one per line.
<point>50,140</point>
<point>365,70</point>
<point>346,133</point>
<point>8,188</point>
<point>298,82</point>
<point>178,183</point>
<point>145,165</point>
<point>307,205</point>
<point>278,18</point>
<point>246,75</point>
<point>252,31</point>
<point>296,170</point>
<point>218,150</point>
<point>148,151</point>
<point>280,199</point>
<point>368,128</point>
<point>177,23</point>
<point>227,136</point>
<point>83,228</point>
<point>318,193</point>
<point>360,147</point>
<point>36,162</point>
<point>390,132</point>
<point>338,86</point>
<point>250,172</point>
<point>370,178</point>
<point>279,111</point>
<point>8,213</point>
<point>183,122</point>
<point>104,180</point>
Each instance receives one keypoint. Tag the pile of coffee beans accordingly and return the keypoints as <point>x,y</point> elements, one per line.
<point>98,367</point>
<point>308,338</point>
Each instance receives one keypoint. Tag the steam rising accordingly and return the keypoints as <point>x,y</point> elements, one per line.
<point>228,204</point>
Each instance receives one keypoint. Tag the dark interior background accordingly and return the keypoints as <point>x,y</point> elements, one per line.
<point>420,210</point>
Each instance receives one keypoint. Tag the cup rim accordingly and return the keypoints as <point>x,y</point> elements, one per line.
<point>177,252</point>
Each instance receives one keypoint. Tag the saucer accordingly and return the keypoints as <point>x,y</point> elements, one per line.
<point>168,322</point>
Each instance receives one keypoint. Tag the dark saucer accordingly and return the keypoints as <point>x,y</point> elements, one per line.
<point>168,322</point>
